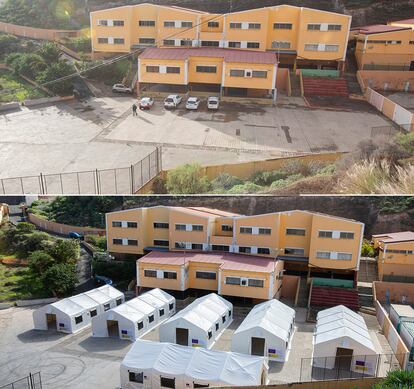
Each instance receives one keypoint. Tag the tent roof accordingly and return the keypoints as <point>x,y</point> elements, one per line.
<point>339,309</point>
<point>152,300</point>
<point>110,291</point>
<point>140,305</point>
<point>160,294</point>
<point>84,301</point>
<point>98,296</point>
<point>127,311</point>
<point>204,312</point>
<point>197,363</point>
<point>272,316</point>
<point>67,306</point>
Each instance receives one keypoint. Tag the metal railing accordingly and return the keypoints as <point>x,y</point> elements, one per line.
<point>389,132</point>
<point>388,67</point>
<point>126,180</point>
<point>32,381</point>
<point>347,367</point>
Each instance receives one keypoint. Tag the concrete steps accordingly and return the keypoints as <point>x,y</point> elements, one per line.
<point>323,86</point>
<point>295,85</point>
<point>330,297</point>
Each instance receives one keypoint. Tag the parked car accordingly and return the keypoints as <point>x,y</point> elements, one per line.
<point>102,280</point>
<point>146,103</point>
<point>75,235</point>
<point>193,103</point>
<point>172,101</point>
<point>213,103</point>
<point>120,88</point>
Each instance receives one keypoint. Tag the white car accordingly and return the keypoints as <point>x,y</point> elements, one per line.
<point>192,103</point>
<point>172,101</point>
<point>119,88</point>
<point>146,103</point>
<point>213,102</point>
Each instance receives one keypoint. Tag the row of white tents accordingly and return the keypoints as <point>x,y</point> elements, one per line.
<point>72,314</point>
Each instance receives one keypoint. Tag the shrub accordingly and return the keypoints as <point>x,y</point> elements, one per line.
<point>327,170</point>
<point>32,242</point>
<point>116,270</point>
<point>39,262</point>
<point>53,72</point>
<point>60,279</point>
<point>97,241</point>
<point>25,227</point>
<point>246,188</point>
<point>406,141</point>
<point>225,181</point>
<point>296,166</point>
<point>367,250</point>
<point>65,251</point>
<point>280,184</point>
<point>400,379</point>
<point>266,178</point>
<point>28,64</point>
<point>187,179</point>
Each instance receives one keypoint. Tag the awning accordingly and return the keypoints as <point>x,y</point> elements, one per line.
<point>292,258</point>
<point>150,248</point>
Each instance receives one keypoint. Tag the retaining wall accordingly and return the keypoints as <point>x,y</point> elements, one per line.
<point>383,80</point>
<point>46,100</point>
<point>9,106</point>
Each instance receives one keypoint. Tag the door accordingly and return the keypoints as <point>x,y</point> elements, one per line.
<point>343,359</point>
<point>181,336</point>
<point>412,66</point>
<point>258,346</point>
<point>113,328</point>
<point>51,321</point>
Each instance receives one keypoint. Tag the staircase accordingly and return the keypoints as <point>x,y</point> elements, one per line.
<point>368,273</point>
<point>325,296</point>
<point>324,86</point>
<point>303,293</point>
<point>295,85</point>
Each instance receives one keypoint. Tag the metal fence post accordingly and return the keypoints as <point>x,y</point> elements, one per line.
<point>21,183</point>
<point>131,172</point>
<point>301,367</point>
<point>2,186</point>
<point>97,181</point>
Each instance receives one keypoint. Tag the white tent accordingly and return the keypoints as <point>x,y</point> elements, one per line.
<point>74,313</point>
<point>342,341</point>
<point>266,331</point>
<point>200,323</point>
<point>134,318</point>
<point>154,365</point>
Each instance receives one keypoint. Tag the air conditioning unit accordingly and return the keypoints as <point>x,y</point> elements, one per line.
<point>248,73</point>
<point>244,281</point>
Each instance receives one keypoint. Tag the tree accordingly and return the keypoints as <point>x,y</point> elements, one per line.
<point>25,228</point>
<point>50,52</point>
<point>8,43</point>
<point>187,179</point>
<point>65,251</point>
<point>56,71</point>
<point>39,262</point>
<point>27,64</point>
<point>60,279</point>
<point>32,242</point>
<point>367,250</point>
<point>400,379</point>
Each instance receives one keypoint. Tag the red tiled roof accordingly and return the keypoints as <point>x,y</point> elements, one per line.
<point>229,55</point>
<point>378,29</point>
<point>396,237</point>
<point>228,261</point>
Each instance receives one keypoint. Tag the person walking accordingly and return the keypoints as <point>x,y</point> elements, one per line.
<point>134,110</point>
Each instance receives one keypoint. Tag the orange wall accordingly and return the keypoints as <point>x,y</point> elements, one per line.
<point>397,291</point>
<point>389,79</point>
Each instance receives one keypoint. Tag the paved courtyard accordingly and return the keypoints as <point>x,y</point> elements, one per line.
<point>101,133</point>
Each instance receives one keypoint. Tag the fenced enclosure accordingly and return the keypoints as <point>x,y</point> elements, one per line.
<point>347,367</point>
<point>126,180</point>
<point>32,381</point>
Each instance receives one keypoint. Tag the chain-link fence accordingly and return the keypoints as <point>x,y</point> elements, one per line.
<point>127,180</point>
<point>32,381</point>
<point>389,132</point>
<point>345,367</point>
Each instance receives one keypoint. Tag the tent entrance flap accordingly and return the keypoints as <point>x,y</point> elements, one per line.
<point>343,359</point>
<point>113,328</point>
<point>258,346</point>
<point>181,336</point>
<point>51,321</point>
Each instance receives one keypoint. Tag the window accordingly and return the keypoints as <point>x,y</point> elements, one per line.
<point>210,334</point>
<point>280,45</point>
<point>107,307</point>
<point>167,382</point>
<point>254,26</point>
<point>259,74</point>
<point>235,25</point>
<point>146,23</point>
<point>171,306</point>
<point>169,42</point>
<point>169,24</point>
<point>245,250</point>
<point>229,313</point>
<point>206,69</point>
<point>161,225</point>
<point>118,301</point>
<point>265,231</point>
<point>217,326</point>
<point>117,241</point>
<point>213,24</point>
<point>116,224</point>
<point>173,69</point>
<point>294,251</point>
<point>323,255</point>
<point>311,47</point>
<point>233,280</point>
<point>263,250</point>
<point>147,41</point>
<point>102,22</point>
<point>227,228</point>
<point>153,69</point>
<point>346,235</point>
<point>206,275</point>
<point>93,312</point>
<point>136,377</point>
<point>256,283</point>
<point>180,227</point>
<point>331,48</point>
<point>295,231</point>
<point>150,273</point>
<point>140,325</point>
<point>132,225</point>
<point>253,45</point>
<point>218,247</point>
<point>163,243</point>
<point>186,24</point>
<point>223,318</point>
<point>171,275</point>
<point>102,41</point>
<point>161,312</point>
<point>325,234</point>
<point>150,318</point>
<point>186,42</point>
<point>132,242</point>
<point>180,245</point>
<point>282,26</point>
<point>334,27</point>
<point>118,23</point>
<point>196,246</point>
<point>197,227</point>
<point>78,319</point>
<point>314,27</point>
<point>210,43</point>
<point>119,41</point>
<point>344,256</point>
<point>235,45</point>
<point>246,230</point>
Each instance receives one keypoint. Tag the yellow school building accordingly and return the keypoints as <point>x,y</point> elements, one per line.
<point>299,36</point>
<point>395,256</point>
<point>308,243</point>
<point>385,47</point>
